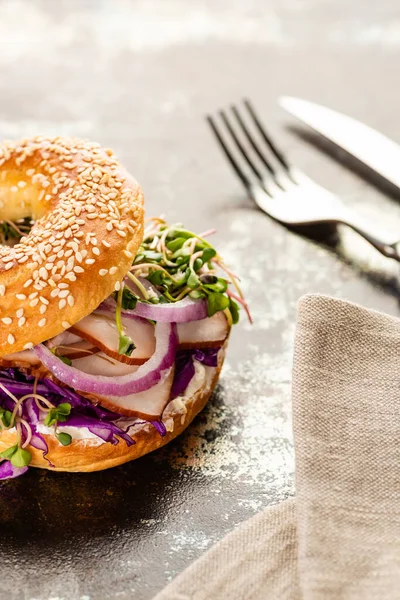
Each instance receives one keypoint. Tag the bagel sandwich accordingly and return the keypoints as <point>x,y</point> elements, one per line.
<point>113,329</point>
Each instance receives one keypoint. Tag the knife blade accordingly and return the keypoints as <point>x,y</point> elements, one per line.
<point>374,149</point>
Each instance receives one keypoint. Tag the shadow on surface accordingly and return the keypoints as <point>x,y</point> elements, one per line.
<point>48,508</point>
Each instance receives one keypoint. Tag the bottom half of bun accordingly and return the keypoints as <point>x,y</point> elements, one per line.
<point>91,454</point>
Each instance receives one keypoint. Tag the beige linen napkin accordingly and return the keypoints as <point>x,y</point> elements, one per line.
<point>340,538</point>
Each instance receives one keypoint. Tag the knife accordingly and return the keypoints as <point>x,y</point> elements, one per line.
<point>369,146</point>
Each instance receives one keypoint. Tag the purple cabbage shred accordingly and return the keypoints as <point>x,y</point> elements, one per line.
<point>8,471</point>
<point>184,367</point>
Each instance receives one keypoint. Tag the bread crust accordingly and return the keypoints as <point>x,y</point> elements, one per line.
<point>88,214</point>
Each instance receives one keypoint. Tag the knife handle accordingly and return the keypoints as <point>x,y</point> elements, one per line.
<point>381,241</point>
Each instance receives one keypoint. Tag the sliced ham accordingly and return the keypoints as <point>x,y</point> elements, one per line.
<point>23,359</point>
<point>147,405</point>
<point>101,364</point>
<point>101,331</point>
<point>64,339</point>
<point>206,333</point>
<point>81,349</point>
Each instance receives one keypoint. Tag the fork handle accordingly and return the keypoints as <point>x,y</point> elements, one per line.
<point>388,248</point>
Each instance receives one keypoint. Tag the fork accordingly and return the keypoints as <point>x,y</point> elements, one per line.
<point>281,190</point>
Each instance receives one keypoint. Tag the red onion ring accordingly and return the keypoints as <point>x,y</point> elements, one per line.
<point>146,376</point>
<point>183,311</point>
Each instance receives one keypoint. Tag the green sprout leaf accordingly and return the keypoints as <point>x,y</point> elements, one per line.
<point>5,416</point>
<point>9,452</point>
<point>125,345</point>
<point>64,438</point>
<point>182,256</point>
<point>156,277</point>
<point>66,360</point>
<point>21,457</point>
<point>193,281</point>
<point>216,302</point>
<point>198,263</point>
<point>234,308</point>
<point>196,294</point>
<point>63,411</point>
<point>51,417</point>
<point>176,244</point>
<point>129,300</point>
<point>59,413</point>
<point>151,256</point>
<point>221,285</point>
<point>208,254</point>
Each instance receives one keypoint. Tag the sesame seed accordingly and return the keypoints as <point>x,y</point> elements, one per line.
<point>71,300</point>
<point>113,270</point>
<point>44,300</point>
<point>42,322</point>
<point>42,309</point>
<point>62,304</point>
<point>7,320</point>
<point>21,321</point>
<point>2,290</point>
<point>34,302</point>
<point>66,324</point>
<point>95,250</point>
<point>11,338</point>
<point>70,276</point>
<point>33,295</point>
<point>78,270</point>
<point>121,233</point>
<point>117,286</point>
<point>28,283</point>
<point>63,294</point>
<point>54,292</point>
<point>28,346</point>
<point>106,244</point>
<point>90,261</point>
<point>128,254</point>
<point>20,312</point>
<point>20,296</point>
<point>103,272</point>
<point>9,266</point>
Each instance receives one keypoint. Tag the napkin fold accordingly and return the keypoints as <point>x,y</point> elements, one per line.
<point>340,538</point>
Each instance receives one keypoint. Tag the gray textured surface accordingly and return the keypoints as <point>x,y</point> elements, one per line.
<point>139,76</point>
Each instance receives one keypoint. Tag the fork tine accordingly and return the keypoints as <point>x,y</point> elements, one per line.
<point>240,146</point>
<point>228,154</point>
<point>251,140</point>
<point>278,154</point>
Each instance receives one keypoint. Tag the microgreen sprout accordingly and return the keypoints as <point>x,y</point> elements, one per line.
<point>125,299</point>
<point>12,231</point>
<point>180,263</point>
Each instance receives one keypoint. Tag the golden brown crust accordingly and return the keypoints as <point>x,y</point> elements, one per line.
<point>89,225</point>
<point>88,455</point>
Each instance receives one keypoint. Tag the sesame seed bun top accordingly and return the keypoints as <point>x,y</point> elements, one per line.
<point>88,225</point>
